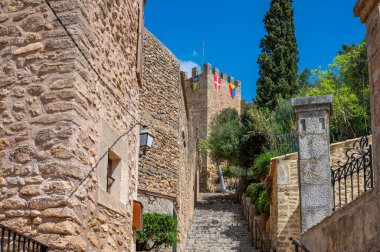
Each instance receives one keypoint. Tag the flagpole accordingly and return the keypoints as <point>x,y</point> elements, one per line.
<point>203,51</point>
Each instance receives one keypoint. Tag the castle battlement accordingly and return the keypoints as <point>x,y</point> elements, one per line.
<point>207,69</point>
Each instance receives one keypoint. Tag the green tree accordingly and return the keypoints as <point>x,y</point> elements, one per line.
<point>350,118</point>
<point>279,57</point>
<point>223,142</point>
<point>160,230</point>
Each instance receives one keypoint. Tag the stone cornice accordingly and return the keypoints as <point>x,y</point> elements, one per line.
<point>363,8</point>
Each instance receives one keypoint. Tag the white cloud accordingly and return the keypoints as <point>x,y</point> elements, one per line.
<point>194,53</point>
<point>187,65</point>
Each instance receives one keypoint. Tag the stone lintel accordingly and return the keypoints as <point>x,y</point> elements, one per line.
<point>363,8</point>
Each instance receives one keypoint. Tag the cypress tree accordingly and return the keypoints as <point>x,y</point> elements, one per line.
<point>279,57</point>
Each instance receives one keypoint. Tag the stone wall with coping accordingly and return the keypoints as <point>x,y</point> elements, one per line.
<point>350,228</point>
<point>167,172</point>
<point>53,106</point>
<point>284,218</point>
<point>204,103</point>
<point>284,208</point>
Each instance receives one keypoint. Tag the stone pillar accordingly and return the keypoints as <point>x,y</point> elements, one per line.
<point>369,13</point>
<point>312,116</point>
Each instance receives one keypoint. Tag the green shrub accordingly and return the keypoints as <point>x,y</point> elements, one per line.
<point>160,230</point>
<point>262,202</point>
<point>254,190</point>
<point>262,163</point>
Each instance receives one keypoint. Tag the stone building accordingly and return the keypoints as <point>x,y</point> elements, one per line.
<point>69,128</point>
<point>208,93</point>
<point>167,174</point>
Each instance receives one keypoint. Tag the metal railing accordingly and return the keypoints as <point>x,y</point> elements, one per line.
<point>14,241</point>
<point>285,142</point>
<point>259,238</point>
<point>298,245</point>
<point>355,175</point>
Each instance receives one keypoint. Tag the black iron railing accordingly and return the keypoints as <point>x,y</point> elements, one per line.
<point>354,176</point>
<point>259,238</point>
<point>14,241</point>
<point>298,245</point>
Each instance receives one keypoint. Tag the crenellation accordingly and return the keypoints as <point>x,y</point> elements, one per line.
<point>206,68</point>
<point>183,75</point>
<point>230,79</point>
<point>216,71</point>
<point>223,75</point>
<point>194,71</point>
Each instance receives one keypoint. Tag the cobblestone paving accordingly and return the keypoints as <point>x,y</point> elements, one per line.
<point>218,226</point>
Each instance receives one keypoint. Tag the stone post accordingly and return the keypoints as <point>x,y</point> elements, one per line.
<point>312,117</point>
<point>369,13</point>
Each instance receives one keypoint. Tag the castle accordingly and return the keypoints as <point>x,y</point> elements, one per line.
<point>213,92</point>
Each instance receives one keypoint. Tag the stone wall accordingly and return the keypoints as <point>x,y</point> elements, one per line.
<point>350,228</point>
<point>62,109</point>
<point>284,208</point>
<point>284,218</point>
<point>167,172</point>
<point>204,103</point>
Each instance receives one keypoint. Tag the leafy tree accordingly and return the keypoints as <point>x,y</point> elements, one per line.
<point>224,140</point>
<point>262,163</point>
<point>254,190</point>
<point>278,59</point>
<point>159,231</point>
<point>347,81</point>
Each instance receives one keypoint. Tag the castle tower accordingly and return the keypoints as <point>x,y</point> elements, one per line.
<point>207,94</point>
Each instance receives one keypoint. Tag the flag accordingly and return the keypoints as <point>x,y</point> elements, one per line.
<point>217,82</point>
<point>232,90</point>
<point>194,83</point>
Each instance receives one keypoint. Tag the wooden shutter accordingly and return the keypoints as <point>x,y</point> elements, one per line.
<point>137,223</point>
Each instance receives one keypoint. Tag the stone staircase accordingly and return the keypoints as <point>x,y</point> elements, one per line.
<point>218,225</point>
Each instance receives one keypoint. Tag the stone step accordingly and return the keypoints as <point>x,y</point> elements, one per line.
<point>218,225</point>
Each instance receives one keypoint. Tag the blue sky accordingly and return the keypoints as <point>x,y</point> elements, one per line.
<point>232,31</point>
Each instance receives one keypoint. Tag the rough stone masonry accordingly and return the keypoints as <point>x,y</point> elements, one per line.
<point>65,109</point>
<point>167,174</point>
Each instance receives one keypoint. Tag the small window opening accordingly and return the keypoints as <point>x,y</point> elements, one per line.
<point>110,169</point>
<point>303,124</point>
<point>322,124</point>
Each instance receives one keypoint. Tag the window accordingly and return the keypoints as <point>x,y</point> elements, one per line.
<point>112,167</point>
<point>110,179</point>
<point>112,171</point>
